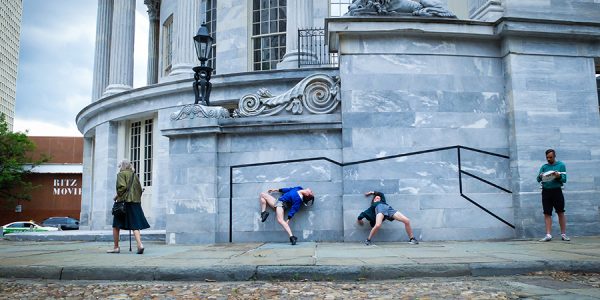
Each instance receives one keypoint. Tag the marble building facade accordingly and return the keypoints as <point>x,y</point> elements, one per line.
<point>504,81</point>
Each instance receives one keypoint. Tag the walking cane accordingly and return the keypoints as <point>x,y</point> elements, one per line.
<point>130,240</point>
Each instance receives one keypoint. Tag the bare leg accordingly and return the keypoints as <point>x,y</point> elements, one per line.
<point>138,239</point>
<point>562,221</point>
<point>378,221</point>
<point>265,199</point>
<point>284,224</point>
<point>548,221</point>
<point>116,237</point>
<point>398,216</point>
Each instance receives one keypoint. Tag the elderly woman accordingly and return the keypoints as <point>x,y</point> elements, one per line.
<point>129,190</point>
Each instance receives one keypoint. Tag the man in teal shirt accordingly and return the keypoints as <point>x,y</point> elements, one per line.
<point>552,176</point>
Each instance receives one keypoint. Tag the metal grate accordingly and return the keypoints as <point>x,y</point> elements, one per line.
<point>313,50</point>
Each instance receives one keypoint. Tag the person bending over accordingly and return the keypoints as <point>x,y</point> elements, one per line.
<point>291,198</point>
<point>379,211</point>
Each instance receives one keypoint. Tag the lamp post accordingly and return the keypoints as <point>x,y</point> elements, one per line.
<point>202,86</point>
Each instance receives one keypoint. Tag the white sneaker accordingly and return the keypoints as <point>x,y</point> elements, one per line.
<point>547,238</point>
<point>565,238</point>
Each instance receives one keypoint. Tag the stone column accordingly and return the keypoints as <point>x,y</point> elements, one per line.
<point>102,52</point>
<point>187,21</point>
<point>86,183</point>
<point>299,16</point>
<point>104,176</point>
<point>154,17</point>
<point>121,48</point>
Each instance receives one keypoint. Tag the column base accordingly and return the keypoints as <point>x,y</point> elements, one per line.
<point>182,71</point>
<point>115,89</point>
<point>290,59</point>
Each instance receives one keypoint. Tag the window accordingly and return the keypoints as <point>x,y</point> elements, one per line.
<point>338,8</point>
<point>167,44</point>
<point>268,33</point>
<point>140,149</point>
<point>211,24</point>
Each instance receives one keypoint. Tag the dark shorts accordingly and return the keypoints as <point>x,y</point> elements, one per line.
<point>387,211</point>
<point>553,198</point>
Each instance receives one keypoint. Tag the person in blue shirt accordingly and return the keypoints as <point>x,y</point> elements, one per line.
<point>292,198</point>
<point>552,176</point>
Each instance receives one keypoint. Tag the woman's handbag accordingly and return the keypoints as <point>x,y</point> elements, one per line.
<point>118,209</point>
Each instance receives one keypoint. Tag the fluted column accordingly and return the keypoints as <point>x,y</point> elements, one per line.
<point>121,48</point>
<point>154,17</point>
<point>299,16</point>
<point>102,52</point>
<point>186,22</point>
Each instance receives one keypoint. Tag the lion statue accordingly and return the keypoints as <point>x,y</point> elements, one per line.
<point>426,8</point>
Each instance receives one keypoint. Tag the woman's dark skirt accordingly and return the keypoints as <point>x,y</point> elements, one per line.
<point>134,218</point>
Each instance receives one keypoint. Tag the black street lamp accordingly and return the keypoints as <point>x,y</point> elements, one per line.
<point>202,86</point>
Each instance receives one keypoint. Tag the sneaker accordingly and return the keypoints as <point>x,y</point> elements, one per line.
<point>565,238</point>
<point>413,241</point>
<point>293,240</point>
<point>263,216</point>
<point>547,238</point>
<point>368,242</point>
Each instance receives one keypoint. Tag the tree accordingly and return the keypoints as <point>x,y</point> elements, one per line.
<point>16,151</point>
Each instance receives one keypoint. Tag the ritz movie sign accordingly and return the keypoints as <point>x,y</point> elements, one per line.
<point>63,187</point>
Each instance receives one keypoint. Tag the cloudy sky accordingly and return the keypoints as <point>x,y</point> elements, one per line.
<point>56,61</point>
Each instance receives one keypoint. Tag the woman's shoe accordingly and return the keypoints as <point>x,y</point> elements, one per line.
<point>140,251</point>
<point>115,250</point>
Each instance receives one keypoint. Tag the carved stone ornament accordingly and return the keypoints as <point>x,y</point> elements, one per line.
<point>424,8</point>
<point>153,9</point>
<point>315,94</point>
<point>192,111</point>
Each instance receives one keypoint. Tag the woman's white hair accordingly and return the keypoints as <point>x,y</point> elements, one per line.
<point>125,164</point>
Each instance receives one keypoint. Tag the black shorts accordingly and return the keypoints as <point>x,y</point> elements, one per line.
<point>553,198</point>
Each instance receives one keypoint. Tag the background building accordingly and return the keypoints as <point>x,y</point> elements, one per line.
<point>10,28</point>
<point>58,192</point>
<point>386,99</point>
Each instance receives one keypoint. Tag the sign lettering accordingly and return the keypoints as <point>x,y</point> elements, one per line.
<point>63,187</point>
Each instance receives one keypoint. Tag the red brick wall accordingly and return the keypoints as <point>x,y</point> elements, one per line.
<point>60,149</point>
<point>53,198</point>
<point>57,195</point>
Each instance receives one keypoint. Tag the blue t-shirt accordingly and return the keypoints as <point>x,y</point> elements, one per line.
<point>292,198</point>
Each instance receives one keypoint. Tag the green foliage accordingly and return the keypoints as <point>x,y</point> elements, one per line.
<point>16,150</point>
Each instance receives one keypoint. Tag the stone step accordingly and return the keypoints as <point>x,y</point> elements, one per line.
<point>83,235</point>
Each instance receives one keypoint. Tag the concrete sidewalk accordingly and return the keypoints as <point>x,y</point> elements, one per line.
<point>71,260</point>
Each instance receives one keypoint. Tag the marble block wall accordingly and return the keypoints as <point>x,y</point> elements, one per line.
<point>553,103</point>
<point>321,222</point>
<point>556,10</point>
<point>192,180</point>
<point>408,93</point>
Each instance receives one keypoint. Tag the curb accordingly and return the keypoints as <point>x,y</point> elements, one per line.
<point>293,273</point>
<point>124,236</point>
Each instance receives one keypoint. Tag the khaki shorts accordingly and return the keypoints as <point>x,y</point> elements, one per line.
<point>282,204</point>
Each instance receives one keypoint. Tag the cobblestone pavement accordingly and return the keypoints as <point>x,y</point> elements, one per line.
<point>541,285</point>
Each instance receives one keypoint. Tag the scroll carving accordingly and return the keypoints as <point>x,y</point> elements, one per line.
<point>315,94</point>
<point>192,111</point>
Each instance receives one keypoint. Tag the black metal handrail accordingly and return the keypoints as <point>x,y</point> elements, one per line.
<point>312,50</point>
<point>460,172</point>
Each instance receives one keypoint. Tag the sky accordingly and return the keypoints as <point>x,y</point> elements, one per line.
<point>56,62</point>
